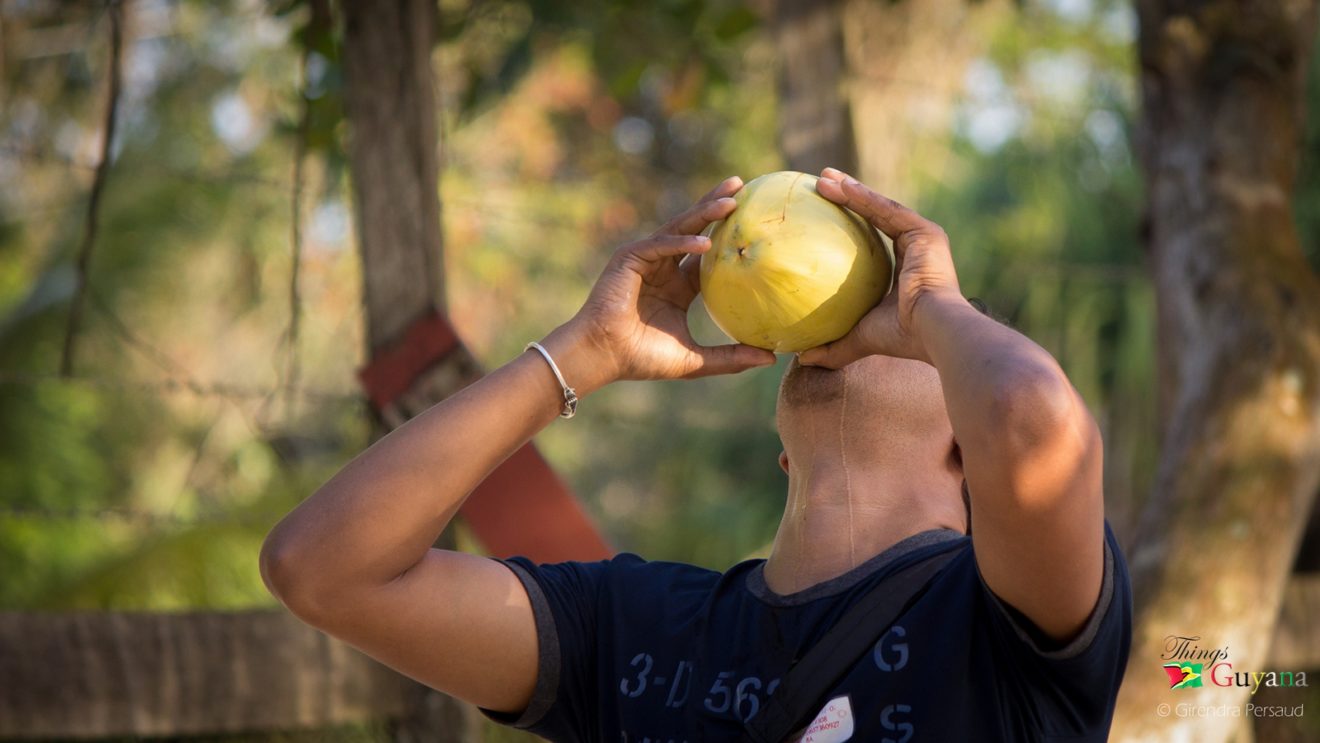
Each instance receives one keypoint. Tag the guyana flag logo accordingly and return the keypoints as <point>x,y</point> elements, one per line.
<point>1183,675</point>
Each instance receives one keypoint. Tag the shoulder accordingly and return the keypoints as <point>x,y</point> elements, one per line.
<point>1106,632</point>
<point>1073,684</point>
<point>1025,681</point>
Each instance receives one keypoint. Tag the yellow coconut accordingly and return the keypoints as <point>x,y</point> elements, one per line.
<point>789,269</point>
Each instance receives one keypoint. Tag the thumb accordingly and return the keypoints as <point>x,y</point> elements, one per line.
<point>834,355</point>
<point>729,359</point>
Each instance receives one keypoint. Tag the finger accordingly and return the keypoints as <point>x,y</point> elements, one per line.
<point>695,218</point>
<point>834,355</point>
<point>686,222</point>
<point>729,359</point>
<point>727,187</point>
<point>666,246</point>
<point>888,216</point>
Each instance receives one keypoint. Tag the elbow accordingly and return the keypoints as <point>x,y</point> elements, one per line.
<point>1046,444</point>
<point>1038,409</point>
<point>287,572</point>
<point>275,563</point>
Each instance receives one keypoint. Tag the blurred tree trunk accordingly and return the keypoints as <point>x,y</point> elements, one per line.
<point>393,141</point>
<point>906,62</point>
<point>1239,354</point>
<point>869,86</point>
<point>815,123</point>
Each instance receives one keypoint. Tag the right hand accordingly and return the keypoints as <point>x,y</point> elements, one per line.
<point>636,315</point>
<point>923,272</point>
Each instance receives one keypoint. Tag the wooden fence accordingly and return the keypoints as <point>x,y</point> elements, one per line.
<point>103,674</point>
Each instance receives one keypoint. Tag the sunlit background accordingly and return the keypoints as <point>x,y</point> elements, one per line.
<point>194,417</point>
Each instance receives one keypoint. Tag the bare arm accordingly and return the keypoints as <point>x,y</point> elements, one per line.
<point>355,559</point>
<point>1031,451</point>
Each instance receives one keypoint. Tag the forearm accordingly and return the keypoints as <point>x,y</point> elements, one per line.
<point>378,516</point>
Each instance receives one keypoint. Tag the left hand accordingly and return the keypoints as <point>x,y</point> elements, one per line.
<point>923,272</point>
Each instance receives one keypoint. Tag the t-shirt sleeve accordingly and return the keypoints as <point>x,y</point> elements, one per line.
<point>564,599</point>
<point>1070,686</point>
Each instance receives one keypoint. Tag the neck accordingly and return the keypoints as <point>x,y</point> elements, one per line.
<point>837,518</point>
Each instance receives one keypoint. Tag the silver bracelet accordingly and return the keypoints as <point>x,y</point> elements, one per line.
<point>570,397</point>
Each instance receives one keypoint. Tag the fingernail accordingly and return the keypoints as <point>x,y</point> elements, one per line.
<point>726,200</point>
<point>850,181</point>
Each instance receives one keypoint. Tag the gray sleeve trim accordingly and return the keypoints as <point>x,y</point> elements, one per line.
<point>548,662</point>
<point>1082,641</point>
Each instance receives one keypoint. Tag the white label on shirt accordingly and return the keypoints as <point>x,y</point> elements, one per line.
<point>833,724</point>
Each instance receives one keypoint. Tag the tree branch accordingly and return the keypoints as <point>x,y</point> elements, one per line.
<point>115,12</point>
<point>319,23</point>
<point>295,242</point>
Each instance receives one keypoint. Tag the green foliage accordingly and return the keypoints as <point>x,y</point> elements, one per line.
<point>625,39</point>
<point>126,488</point>
<point>1044,221</point>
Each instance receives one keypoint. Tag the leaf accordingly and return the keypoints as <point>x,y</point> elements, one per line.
<point>626,82</point>
<point>735,23</point>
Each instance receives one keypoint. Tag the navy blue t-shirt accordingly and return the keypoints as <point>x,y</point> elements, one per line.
<point>633,651</point>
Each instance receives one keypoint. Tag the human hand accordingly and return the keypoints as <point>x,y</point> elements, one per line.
<point>636,315</point>
<point>924,271</point>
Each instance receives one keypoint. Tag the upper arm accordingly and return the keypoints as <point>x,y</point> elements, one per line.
<point>1037,499</point>
<point>458,623</point>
